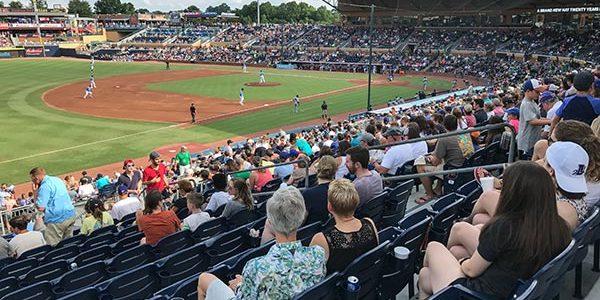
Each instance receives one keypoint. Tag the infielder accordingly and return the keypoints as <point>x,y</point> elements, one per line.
<point>242,96</point>
<point>88,93</point>
<point>296,101</point>
<point>244,67</point>
<point>425,83</point>
<point>261,77</point>
<point>92,82</point>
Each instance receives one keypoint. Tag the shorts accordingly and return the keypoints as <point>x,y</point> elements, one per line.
<point>420,161</point>
<point>218,290</point>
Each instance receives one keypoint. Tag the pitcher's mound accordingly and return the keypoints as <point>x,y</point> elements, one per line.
<point>262,84</point>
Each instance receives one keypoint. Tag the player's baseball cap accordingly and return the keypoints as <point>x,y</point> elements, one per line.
<point>122,189</point>
<point>569,161</point>
<point>547,96</point>
<point>533,84</point>
<point>513,111</point>
<point>154,155</point>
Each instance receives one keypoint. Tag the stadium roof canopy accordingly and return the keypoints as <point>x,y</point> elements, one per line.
<point>450,7</point>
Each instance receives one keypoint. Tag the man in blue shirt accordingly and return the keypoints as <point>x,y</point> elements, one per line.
<point>581,106</point>
<point>53,200</point>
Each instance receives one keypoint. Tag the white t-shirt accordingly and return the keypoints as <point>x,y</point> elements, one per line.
<point>217,199</point>
<point>342,169</point>
<point>192,221</point>
<point>552,113</point>
<point>124,207</point>
<point>86,190</point>
<point>418,149</point>
<point>26,241</point>
<point>396,157</point>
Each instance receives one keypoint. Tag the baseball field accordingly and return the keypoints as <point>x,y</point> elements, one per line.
<point>138,107</point>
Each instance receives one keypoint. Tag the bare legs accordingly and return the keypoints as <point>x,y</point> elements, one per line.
<point>464,239</point>
<point>485,207</point>
<point>440,269</point>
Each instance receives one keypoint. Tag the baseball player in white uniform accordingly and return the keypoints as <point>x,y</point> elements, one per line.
<point>88,93</point>
<point>92,82</point>
<point>244,67</point>
<point>261,77</point>
<point>296,101</point>
<point>242,96</point>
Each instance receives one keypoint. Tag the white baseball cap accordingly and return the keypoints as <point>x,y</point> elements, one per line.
<point>569,162</point>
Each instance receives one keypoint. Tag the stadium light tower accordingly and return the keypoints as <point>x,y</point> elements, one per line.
<point>37,22</point>
<point>257,12</point>
<point>370,56</point>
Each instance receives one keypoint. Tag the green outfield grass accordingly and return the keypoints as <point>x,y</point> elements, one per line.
<point>35,135</point>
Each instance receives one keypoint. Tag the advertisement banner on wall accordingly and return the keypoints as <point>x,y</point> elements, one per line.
<point>36,51</point>
<point>3,26</point>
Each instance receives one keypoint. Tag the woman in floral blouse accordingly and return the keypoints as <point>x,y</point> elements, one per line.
<point>288,269</point>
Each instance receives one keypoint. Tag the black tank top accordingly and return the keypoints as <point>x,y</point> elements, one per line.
<point>344,247</point>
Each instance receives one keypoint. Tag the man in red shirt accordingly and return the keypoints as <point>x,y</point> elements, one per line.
<point>154,177</point>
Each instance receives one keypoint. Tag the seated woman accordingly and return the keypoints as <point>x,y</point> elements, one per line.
<point>259,178</point>
<point>350,237</point>
<point>242,198</point>
<point>96,217</point>
<point>288,269</point>
<point>525,234</point>
<point>155,222</point>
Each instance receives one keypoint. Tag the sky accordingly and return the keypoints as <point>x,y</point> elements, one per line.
<point>168,5</point>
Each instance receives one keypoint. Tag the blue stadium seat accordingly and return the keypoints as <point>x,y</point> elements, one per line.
<point>130,259</point>
<point>235,265</point>
<point>95,242</point>
<point>444,212</point>
<point>127,220</point>
<point>103,230</point>
<point>45,272</point>
<point>395,206</point>
<point>90,293</point>
<point>471,191</point>
<point>36,253</point>
<point>306,233</point>
<point>8,284</point>
<point>227,244</point>
<point>327,289</point>
<point>549,276</point>
<point>39,291</point>
<point>173,243</point>
<point>217,213</point>
<point>584,235</point>
<point>75,240</point>
<point>6,261</point>
<point>65,252</point>
<point>127,242</point>
<point>186,289</point>
<point>93,255</point>
<point>183,264</point>
<point>127,231</point>
<point>368,269</point>
<point>240,218</point>
<point>399,273</point>
<point>373,208</point>
<point>183,213</point>
<point>19,268</point>
<point>139,283</point>
<point>209,229</point>
<point>80,278</point>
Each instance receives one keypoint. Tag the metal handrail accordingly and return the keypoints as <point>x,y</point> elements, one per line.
<point>307,161</point>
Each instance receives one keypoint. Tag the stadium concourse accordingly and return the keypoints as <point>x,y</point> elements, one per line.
<point>484,192</point>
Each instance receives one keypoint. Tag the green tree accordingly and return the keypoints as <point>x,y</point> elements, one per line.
<point>15,4</point>
<point>80,7</point>
<point>41,4</point>
<point>221,8</point>
<point>192,8</point>
<point>113,7</point>
<point>289,12</point>
<point>1,4</point>
<point>142,11</point>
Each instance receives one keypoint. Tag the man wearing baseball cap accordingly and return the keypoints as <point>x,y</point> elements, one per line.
<point>125,205</point>
<point>396,156</point>
<point>530,119</point>
<point>130,177</point>
<point>154,176</point>
<point>567,162</point>
<point>550,103</point>
<point>581,106</point>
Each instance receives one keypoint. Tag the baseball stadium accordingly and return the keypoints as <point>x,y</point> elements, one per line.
<point>314,149</point>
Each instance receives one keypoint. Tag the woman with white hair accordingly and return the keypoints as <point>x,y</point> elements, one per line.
<point>288,269</point>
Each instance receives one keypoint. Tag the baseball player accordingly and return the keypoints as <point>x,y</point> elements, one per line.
<point>324,114</point>
<point>193,112</point>
<point>92,82</point>
<point>296,101</point>
<point>454,84</point>
<point>425,83</point>
<point>244,67</point>
<point>242,96</point>
<point>261,76</point>
<point>88,92</point>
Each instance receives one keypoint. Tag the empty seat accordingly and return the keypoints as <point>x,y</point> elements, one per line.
<point>38,291</point>
<point>444,212</point>
<point>183,264</point>
<point>173,243</point>
<point>368,268</point>
<point>130,259</point>
<point>209,229</point>
<point>36,253</point>
<point>240,218</point>
<point>373,208</point>
<point>186,289</point>
<point>183,213</point>
<point>95,242</point>
<point>227,244</point>
<point>90,293</point>
<point>65,252</point>
<point>8,284</point>
<point>6,261</point>
<point>19,268</point>
<point>74,240</point>
<point>48,271</point>
<point>127,231</point>
<point>327,289</point>
<point>127,242</point>
<point>93,255</point>
<point>139,283</point>
<point>80,278</point>
<point>103,230</point>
